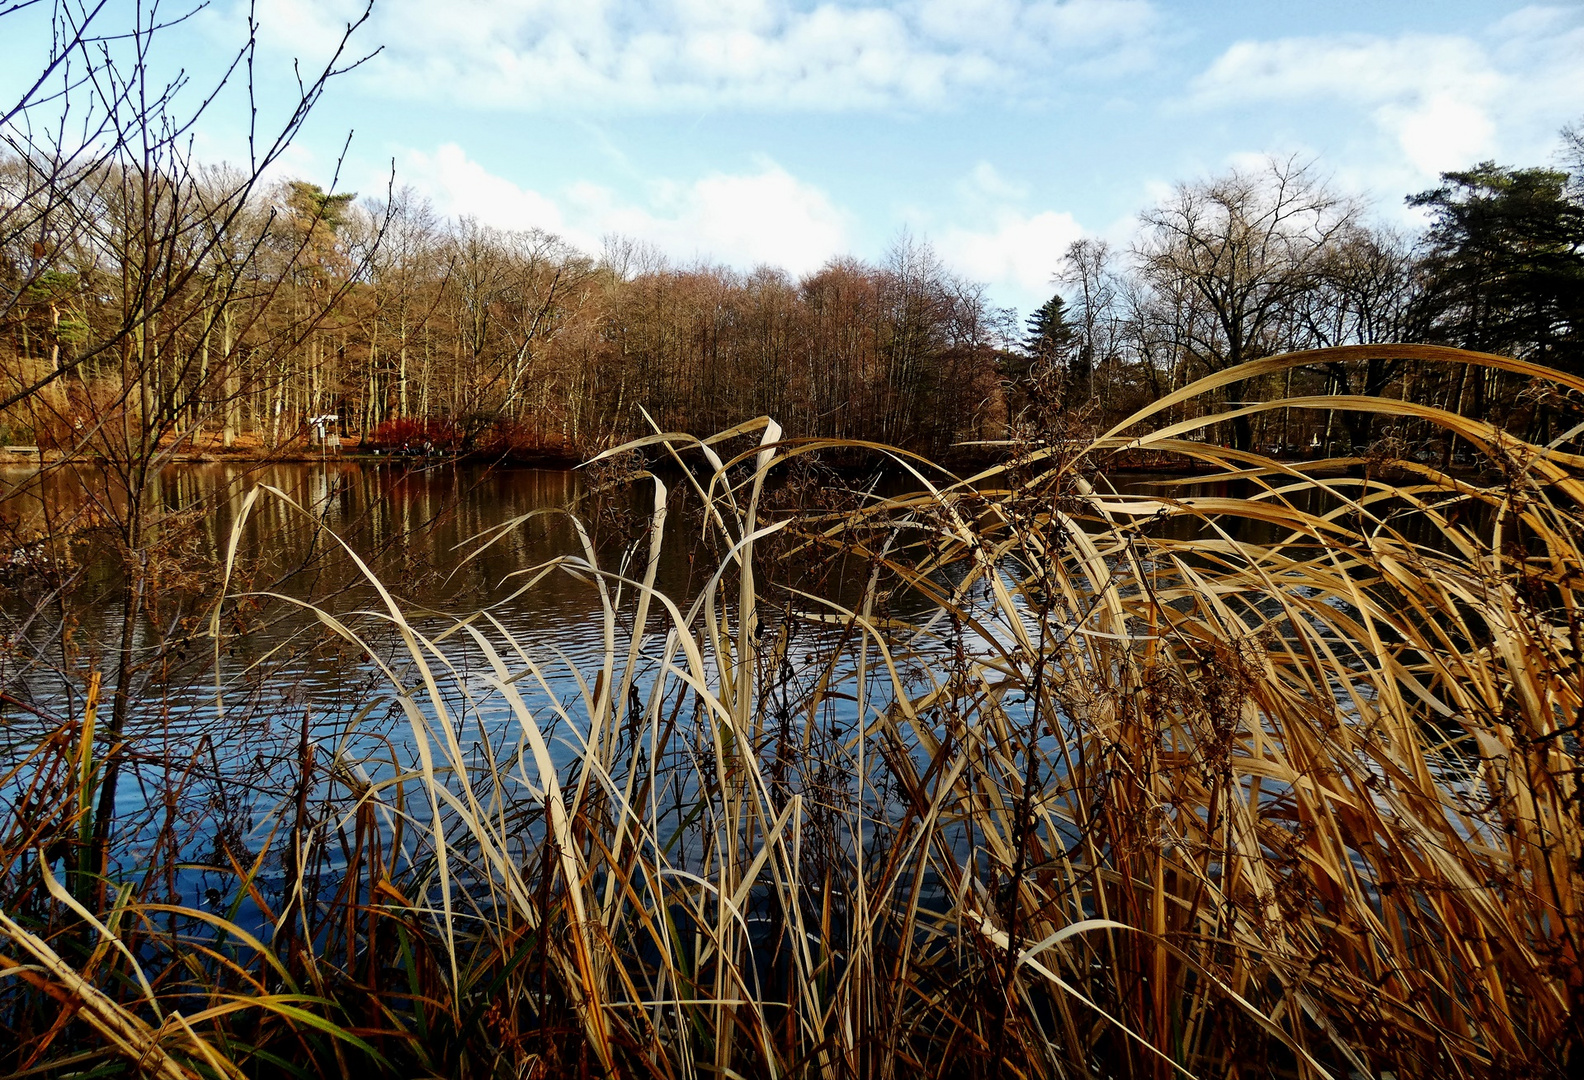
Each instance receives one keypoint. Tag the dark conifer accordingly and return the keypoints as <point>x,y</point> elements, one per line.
<point>1505,263</point>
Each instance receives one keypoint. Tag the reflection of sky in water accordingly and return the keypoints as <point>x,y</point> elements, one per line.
<point>415,528</point>
<point>284,670</point>
<point>411,526</point>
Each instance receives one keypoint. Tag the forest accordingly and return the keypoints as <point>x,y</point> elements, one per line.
<point>280,303</point>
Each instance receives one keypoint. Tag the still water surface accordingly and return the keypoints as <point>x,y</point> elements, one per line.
<point>437,538</point>
<point>446,540</point>
<point>240,706</point>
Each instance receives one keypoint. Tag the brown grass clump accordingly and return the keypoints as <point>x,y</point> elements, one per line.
<point>1006,775</point>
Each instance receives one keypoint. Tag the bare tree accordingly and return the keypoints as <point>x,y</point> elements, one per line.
<point>1573,155</point>
<point>1089,274</point>
<point>1363,294</point>
<point>1235,254</point>
<point>105,202</point>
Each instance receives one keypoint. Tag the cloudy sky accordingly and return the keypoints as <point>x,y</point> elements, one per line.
<point>786,132</point>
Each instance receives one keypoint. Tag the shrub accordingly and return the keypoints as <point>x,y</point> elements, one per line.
<point>408,435</point>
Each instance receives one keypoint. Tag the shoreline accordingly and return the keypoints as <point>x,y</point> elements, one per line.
<point>15,457</point>
<point>32,457</point>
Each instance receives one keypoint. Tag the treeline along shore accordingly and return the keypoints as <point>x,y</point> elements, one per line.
<point>202,312</point>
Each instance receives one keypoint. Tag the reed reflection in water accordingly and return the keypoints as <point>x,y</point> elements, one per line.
<point>281,674</point>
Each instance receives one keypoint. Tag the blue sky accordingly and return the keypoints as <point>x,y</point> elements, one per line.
<point>774,131</point>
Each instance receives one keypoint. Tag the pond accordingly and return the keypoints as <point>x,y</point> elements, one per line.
<point>308,659</point>
<point>243,703</point>
<point>309,663</point>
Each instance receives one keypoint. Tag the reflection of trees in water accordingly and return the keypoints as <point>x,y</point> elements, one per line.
<point>58,611</point>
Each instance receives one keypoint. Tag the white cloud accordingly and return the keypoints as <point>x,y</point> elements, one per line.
<point>993,235</point>
<point>1017,255</point>
<point>1442,131</point>
<point>764,216</point>
<point>1017,27</point>
<point>1433,101</point>
<point>742,219</point>
<point>767,217</point>
<point>703,54</point>
<point>461,187</point>
<point>1352,67</point>
<point>986,184</point>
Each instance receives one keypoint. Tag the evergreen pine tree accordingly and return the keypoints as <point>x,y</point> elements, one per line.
<point>1050,336</point>
<point>1505,264</point>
